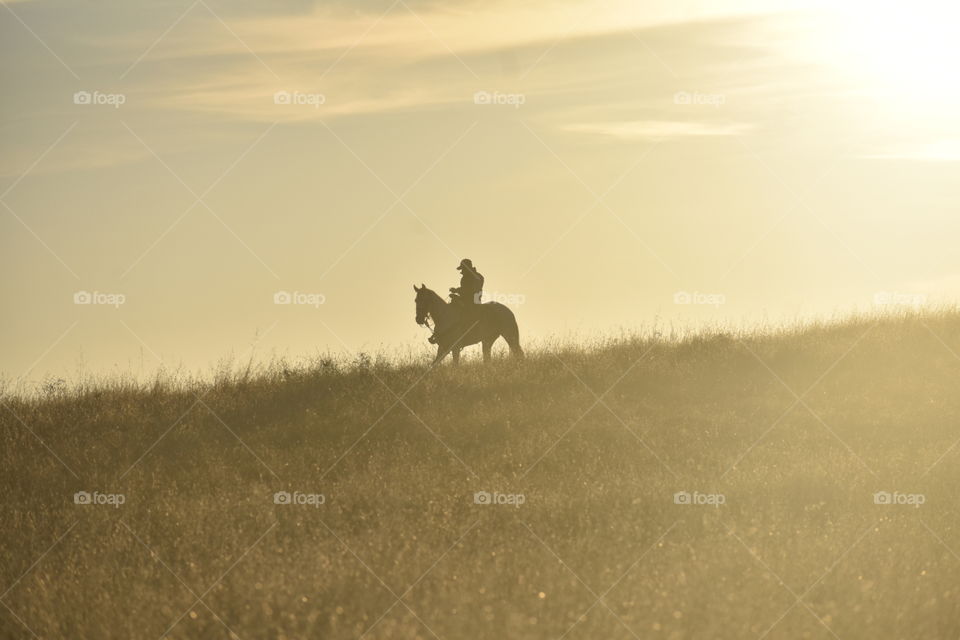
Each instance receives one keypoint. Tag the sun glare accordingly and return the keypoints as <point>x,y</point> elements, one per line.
<point>902,52</point>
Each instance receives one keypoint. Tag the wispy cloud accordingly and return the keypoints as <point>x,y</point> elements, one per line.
<point>940,151</point>
<point>654,129</point>
<point>603,70</point>
<point>402,30</point>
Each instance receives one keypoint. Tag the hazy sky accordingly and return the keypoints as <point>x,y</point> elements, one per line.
<point>778,159</point>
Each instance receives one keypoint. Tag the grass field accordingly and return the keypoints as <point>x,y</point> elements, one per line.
<point>779,438</point>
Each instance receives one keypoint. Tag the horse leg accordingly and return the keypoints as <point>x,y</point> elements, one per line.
<point>487,346</point>
<point>444,347</point>
<point>512,336</point>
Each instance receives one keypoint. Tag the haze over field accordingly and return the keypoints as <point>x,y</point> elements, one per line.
<point>718,237</point>
<point>797,483</point>
<point>788,157</point>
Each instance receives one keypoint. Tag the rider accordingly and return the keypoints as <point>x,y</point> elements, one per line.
<point>471,285</point>
<point>467,296</point>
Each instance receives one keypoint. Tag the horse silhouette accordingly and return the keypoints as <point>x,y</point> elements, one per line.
<point>457,327</point>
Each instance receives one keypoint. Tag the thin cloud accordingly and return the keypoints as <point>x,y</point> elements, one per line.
<point>655,129</point>
<point>402,31</point>
<point>940,151</point>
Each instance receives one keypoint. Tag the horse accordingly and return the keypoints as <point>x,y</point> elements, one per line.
<point>454,332</point>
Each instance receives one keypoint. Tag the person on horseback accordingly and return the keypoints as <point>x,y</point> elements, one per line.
<point>467,296</point>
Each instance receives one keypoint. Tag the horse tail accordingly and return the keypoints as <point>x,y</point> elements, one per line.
<point>511,333</point>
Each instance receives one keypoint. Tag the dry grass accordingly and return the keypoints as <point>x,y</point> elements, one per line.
<point>599,549</point>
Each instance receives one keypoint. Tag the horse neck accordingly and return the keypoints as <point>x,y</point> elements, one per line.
<point>439,309</point>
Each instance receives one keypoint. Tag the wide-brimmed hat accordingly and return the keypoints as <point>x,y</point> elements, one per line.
<point>465,264</point>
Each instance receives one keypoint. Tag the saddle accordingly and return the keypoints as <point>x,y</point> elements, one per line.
<point>468,313</point>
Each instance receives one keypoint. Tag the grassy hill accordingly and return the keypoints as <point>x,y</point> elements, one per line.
<point>779,438</point>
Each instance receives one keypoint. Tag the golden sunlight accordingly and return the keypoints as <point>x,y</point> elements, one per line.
<point>479,319</point>
<point>902,52</point>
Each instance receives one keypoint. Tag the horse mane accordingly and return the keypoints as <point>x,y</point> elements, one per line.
<point>433,293</point>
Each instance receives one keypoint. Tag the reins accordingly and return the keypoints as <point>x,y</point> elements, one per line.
<point>426,325</point>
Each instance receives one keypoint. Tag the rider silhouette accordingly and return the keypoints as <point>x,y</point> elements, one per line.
<point>471,285</point>
<point>467,296</point>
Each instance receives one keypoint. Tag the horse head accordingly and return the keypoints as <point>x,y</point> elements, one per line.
<point>424,301</point>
